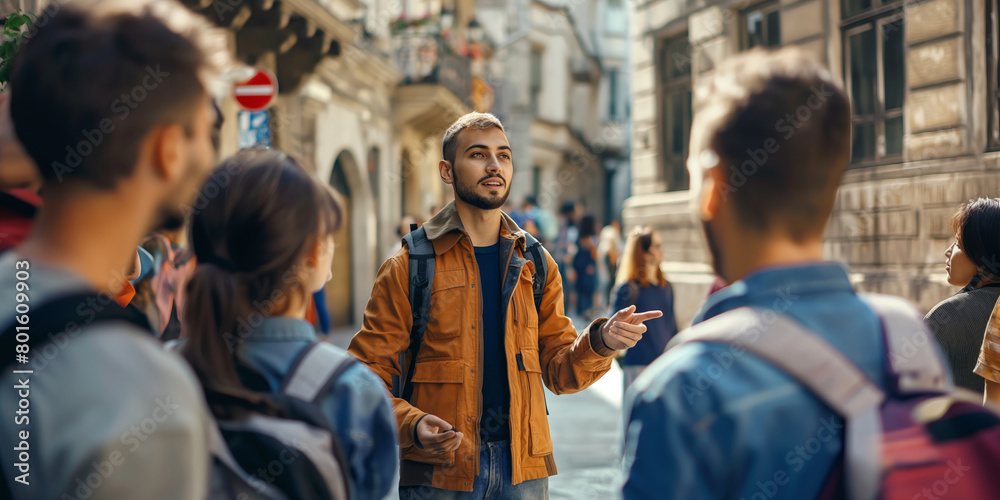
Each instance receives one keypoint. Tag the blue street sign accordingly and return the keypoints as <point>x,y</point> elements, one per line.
<point>255,129</point>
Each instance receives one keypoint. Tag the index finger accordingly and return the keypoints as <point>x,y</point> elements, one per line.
<point>648,315</point>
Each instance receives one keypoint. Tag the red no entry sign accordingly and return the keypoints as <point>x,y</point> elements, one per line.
<point>258,92</point>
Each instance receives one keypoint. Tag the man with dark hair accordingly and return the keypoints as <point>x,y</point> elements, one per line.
<point>473,424</point>
<point>113,105</point>
<point>770,142</point>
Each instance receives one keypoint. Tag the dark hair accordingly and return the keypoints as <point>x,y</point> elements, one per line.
<point>781,126</point>
<point>977,229</point>
<point>587,226</point>
<point>95,79</point>
<point>263,213</point>
<point>473,120</point>
<point>568,208</point>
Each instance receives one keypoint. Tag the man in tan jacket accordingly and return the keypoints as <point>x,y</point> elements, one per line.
<point>474,423</point>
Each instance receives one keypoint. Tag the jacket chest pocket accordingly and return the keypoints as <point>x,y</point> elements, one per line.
<point>449,298</point>
<point>528,365</point>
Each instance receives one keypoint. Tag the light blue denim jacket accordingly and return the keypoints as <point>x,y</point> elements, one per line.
<point>358,406</point>
<point>705,423</point>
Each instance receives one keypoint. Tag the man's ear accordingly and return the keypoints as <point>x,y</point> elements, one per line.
<point>713,193</point>
<point>166,143</point>
<point>444,167</point>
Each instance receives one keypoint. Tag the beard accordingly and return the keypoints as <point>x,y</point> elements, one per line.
<point>467,193</point>
<point>713,248</point>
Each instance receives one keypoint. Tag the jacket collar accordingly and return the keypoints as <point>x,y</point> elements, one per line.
<point>445,229</point>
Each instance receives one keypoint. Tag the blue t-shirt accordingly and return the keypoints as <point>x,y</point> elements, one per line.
<point>496,391</point>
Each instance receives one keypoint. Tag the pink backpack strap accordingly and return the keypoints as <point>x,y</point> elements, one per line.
<point>821,368</point>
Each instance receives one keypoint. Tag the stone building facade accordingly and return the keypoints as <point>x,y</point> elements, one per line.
<point>923,82</point>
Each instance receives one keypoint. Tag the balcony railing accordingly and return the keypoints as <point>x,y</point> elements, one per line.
<point>426,59</point>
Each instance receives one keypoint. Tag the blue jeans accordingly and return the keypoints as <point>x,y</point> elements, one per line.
<point>492,483</point>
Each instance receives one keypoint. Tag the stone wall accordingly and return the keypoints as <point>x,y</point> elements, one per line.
<point>891,222</point>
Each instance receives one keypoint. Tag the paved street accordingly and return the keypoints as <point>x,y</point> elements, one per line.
<point>586,429</point>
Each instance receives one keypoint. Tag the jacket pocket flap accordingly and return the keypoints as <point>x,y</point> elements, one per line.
<point>441,371</point>
<point>527,360</point>
<point>444,280</point>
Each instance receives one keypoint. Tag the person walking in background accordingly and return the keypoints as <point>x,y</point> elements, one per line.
<point>959,322</point>
<point>714,419</point>
<point>609,251</point>
<point>139,173</point>
<point>252,260</point>
<point>641,283</point>
<point>585,266</point>
<point>565,249</point>
<point>548,226</point>
<point>477,343</point>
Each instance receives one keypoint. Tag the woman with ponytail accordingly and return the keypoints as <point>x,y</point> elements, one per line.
<point>262,231</point>
<point>971,262</point>
<point>641,283</point>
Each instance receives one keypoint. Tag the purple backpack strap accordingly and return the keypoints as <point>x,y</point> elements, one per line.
<point>821,368</point>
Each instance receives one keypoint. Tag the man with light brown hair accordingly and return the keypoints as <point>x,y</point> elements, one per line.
<point>477,306</point>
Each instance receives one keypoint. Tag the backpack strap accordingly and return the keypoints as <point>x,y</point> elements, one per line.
<point>913,362</point>
<point>534,250</point>
<point>422,257</point>
<point>821,368</point>
<point>53,317</point>
<point>316,368</point>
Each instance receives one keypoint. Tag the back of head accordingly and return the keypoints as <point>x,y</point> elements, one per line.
<point>255,220</point>
<point>779,126</point>
<point>98,76</point>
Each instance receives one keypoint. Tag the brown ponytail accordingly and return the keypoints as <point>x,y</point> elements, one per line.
<point>254,221</point>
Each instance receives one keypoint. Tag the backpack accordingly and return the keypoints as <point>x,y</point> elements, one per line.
<point>229,478</point>
<point>284,439</point>
<point>421,282</point>
<point>920,437</point>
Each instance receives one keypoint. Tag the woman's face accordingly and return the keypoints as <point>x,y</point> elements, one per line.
<point>655,253</point>
<point>958,266</point>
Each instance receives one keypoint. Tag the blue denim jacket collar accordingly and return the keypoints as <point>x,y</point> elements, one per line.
<point>282,328</point>
<point>777,280</point>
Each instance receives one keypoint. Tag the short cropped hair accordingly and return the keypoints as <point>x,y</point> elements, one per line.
<point>781,126</point>
<point>94,80</point>
<point>475,121</point>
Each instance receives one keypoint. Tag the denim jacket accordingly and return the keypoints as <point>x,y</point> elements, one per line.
<point>358,405</point>
<point>706,423</point>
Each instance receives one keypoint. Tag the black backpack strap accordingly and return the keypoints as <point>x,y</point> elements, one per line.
<point>40,324</point>
<point>533,249</point>
<point>422,258</point>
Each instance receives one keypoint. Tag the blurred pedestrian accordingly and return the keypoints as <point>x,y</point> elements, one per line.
<point>959,322</point>
<point>468,379</point>
<point>108,177</point>
<point>585,267</point>
<point>713,419</point>
<point>641,283</point>
<point>251,262</point>
<point>548,226</point>
<point>609,251</point>
<point>565,249</point>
